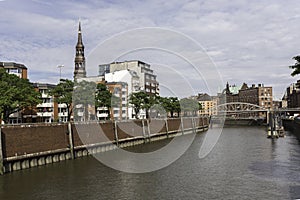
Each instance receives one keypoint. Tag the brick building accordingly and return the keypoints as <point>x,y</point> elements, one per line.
<point>292,95</point>
<point>15,68</point>
<point>258,95</point>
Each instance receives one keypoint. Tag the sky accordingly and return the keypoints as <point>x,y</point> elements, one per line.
<point>247,41</point>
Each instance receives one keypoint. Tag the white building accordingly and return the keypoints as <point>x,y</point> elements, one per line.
<point>147,78</point>
<point>49,111</point>
<point>132,81</point>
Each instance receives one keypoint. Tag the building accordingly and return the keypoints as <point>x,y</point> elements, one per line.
<point>19,70</point>
<point>49,111</point>
<point>292,95</point>
<point>258,95</point>
<point>119,110</point>
<point>277,104</point>
<point>232,92</point>
<point>131,79</point>
<point>15,68</point>
<point>79,71</point>
<point>207,104</point>
<point>147,78</point>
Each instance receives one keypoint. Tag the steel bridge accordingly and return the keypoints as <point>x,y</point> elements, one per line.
<point>241,107</point>
<point>241,110</point>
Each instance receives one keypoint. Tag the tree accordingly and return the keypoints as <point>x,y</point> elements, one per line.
<point>84,98</point>
<point>174,105</point>
<point>104,98</point>
<point>296,66</point>
<point>16,94</point>
<point>63,93</point>
<point>141,100</point>
<point>190,106</point>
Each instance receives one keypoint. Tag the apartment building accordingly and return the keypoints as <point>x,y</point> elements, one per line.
<point>147,78</point>
<point>17,69</point>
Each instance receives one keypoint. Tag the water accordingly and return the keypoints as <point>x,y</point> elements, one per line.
<point>243,165</point>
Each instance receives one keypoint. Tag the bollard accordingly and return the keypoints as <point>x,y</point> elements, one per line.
<point>167,127</point>
<point>193,125</point>
<point>144,134</point>
<point>71,140</point>
<point>116,133</point>
<point>148,126</point>
<point>181,125</point>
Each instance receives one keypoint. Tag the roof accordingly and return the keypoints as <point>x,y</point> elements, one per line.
<point>204,97</point>
<point>234,89</point>
<point>12,64</point>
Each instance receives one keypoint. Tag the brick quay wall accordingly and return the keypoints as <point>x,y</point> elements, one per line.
<point>30,145</point>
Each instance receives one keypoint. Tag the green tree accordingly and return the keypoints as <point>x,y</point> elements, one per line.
<point>190,106</point>
<point>170,104</point>
<point>63,94</point>
<point>141,100</point>
<point>104,98</point>
<point>174,106</point>
<point>16,94</point>
<point>296,66</point>
<point>84,98</point>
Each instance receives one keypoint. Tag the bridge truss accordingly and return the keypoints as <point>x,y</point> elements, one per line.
<point>240,110</point>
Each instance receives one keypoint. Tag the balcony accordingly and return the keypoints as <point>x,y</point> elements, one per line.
<point>63,114</point>
<point>101,115</point>
<point>62,105</point>
<point>44,114</point>
<point>45,105</point>
<point>45,95</point>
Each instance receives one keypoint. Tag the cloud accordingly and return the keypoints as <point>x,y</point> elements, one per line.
<point>248,40</point>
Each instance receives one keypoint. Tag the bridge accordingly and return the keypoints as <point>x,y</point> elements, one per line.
<point>244,111</point>
<point>248,108</point>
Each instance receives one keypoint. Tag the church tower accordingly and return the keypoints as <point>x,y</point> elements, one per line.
<point>79,71</point>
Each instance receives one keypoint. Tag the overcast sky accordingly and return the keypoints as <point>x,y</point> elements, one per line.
<point>249,41</point>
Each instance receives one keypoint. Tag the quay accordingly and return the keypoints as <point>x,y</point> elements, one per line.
<point>30,145</point>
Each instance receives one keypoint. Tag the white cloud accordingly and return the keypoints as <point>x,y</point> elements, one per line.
<point>246,39</point>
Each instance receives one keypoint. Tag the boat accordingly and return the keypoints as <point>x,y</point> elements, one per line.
<point>275,133</point>
<point>281,132</point>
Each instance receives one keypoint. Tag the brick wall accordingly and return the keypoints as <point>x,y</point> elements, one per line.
<point>24,140</point>
<point>21,140</point>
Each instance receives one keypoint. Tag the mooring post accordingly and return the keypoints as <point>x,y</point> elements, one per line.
<point>71,140</point>
<point>271,123</point>
<point>193,125</point>
<point>1,154</point>
<point>148,126</point>
<point>167,127</point>
<point>268,117</point>
<point>181,123</point>
<point>116,133</point>
<point>144,134</point>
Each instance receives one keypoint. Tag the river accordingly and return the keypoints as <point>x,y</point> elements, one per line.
<point>244,164</point>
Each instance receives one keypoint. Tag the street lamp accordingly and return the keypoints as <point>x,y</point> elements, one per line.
<point>60,66</point>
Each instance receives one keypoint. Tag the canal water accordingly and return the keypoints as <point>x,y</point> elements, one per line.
<point>244,164</point>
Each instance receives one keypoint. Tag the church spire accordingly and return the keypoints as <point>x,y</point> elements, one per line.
<point>79,35</point>
<point>79,71</point>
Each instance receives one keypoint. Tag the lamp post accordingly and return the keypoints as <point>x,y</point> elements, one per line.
<point>60,66</point>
